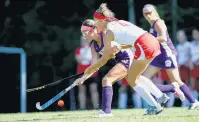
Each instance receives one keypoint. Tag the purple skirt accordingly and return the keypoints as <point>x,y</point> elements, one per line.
<point>164,61</point>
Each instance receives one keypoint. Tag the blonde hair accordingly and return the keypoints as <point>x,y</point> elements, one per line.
<point>105,11</point>
<point>152,6</point>
<point>89,22</point>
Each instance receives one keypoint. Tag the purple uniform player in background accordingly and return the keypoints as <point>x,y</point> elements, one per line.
<point>167,59</point>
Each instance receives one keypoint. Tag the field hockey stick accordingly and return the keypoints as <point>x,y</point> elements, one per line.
<point>54,83</point>
<point>55,98</point>
<point>59,95</point>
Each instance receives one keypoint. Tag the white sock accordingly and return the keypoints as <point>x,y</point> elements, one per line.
<point>145,94</point>
<point>150,86</point>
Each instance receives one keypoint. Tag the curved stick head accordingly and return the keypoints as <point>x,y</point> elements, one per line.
<point>38,106</point>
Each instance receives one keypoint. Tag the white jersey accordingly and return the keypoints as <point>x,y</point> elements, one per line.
<point>125,32</point>
<point>113,44</point>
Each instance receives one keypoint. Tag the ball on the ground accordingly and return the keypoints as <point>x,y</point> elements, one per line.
<point>60,103</point>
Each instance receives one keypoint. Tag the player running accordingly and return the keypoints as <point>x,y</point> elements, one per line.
<point>167,59</point>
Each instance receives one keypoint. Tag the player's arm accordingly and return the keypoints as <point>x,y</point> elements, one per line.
<point>161,29</point>
<point>107,53</point>
<point>95,57</point>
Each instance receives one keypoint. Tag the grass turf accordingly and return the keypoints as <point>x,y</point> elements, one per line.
<point>128,115</point>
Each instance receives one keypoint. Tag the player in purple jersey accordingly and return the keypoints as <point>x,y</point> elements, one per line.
<point>167,59</point>
<point>123,60</point>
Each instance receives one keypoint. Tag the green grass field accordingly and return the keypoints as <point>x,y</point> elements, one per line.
<point>129,115</point>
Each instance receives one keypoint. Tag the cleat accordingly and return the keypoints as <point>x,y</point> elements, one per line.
<point>194,106</point>
<point>103,114</point>
<point>163,100</point>
<point>152,110</point>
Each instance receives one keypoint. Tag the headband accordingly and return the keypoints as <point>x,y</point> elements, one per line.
<point>86,28</point>
<point>99,16</point>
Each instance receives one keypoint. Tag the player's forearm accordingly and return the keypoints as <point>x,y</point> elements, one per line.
<point>161,39</point>
<point>92,69</point>
<point>97,65</point>
<point>86,76</point>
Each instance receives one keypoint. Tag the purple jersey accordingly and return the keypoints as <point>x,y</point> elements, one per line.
<point>166,47</point>
<point>124,56</point>
<point>167,58</point>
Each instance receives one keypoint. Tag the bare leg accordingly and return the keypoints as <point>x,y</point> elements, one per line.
<point>116,73</point>
<point>137,68</point>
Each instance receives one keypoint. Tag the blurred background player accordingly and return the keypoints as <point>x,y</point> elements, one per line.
<point>194,65</point>
<point>167,59</point>
<point>184,55</point>
<point>84,59</point>
<point>188,60</point>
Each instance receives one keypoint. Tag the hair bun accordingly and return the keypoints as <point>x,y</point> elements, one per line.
<point>103,7</point>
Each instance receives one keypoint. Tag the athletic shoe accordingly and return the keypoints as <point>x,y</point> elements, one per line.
<point>194,105</point>
<point>163,100</point>
<point>152,110</point>
<point>103,114</point>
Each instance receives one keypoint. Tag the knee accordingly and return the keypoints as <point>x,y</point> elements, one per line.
<point>106,82</point>
<point>178,81</point>
<point>131,81</point>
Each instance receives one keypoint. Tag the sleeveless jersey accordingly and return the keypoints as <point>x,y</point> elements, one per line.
<point>125,32</point>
